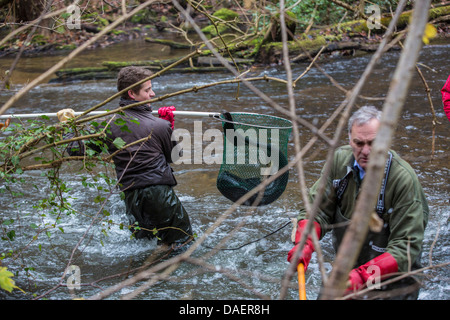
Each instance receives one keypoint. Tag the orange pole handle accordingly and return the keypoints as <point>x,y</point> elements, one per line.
<point>301,281</point>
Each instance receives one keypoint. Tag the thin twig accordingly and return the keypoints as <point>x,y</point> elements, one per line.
<point>73,54</point>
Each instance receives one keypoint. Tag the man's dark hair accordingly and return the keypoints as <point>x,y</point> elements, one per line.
<point>129,76</point>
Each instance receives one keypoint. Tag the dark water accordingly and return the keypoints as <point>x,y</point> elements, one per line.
<point>108,250</point>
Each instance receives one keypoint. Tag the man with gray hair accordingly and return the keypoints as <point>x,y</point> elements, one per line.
<point>402,208</point>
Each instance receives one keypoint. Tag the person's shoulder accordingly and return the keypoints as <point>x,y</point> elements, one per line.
<point>402,169</point>
<point>343,153</point>
<point>398,160</point>
<point>341,159</point>
<point>345,149</point>
<point>160,121</point>
<point>161,124</point>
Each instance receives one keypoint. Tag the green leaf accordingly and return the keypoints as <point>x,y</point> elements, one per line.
<point>120,122</point>
<point>8,222</point>
<point>11,235</point>
<point>99,199</point>
<point>6,283</point>
<point>15,160</point>
<point>119,143</point>
<point>125,129</point>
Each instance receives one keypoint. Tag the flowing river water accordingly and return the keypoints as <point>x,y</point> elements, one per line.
<point>108,249</point>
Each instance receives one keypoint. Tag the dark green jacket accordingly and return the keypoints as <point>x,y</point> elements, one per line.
<point>405,214</point>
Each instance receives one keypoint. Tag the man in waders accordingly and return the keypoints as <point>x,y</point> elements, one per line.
<point>143,169</point>
<point>402,206</point>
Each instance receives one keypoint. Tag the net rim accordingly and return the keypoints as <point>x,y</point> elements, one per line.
<point>254,125</point>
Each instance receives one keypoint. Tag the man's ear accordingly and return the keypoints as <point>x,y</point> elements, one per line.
<point>131,94</point>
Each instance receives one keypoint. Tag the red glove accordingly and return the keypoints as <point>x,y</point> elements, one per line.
<point>445,91</point>
<point>380,266</point>
<point>308,248</point>
<point>166,113</point>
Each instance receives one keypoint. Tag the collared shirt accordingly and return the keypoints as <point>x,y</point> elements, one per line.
<point>361,171</point>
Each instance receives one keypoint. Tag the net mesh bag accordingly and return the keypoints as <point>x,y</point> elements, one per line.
<point>255,148</point>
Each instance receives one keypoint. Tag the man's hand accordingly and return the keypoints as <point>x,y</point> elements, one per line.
<point>308,249</point>
<point>380,266</point>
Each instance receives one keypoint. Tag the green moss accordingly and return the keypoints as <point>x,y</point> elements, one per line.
<point>114,65</point>
<point>117,32</point>
<point>95,19</point>
<point>103,22</point>
<point>67,47</point>
<point>404,19</point>
<point>297,45</point>
<point>290,19</point>
<point>211,30</point>
<point>439,12</point>
<point>39,39</point>
<point>226,14</point>
<point>353,26</point>
<point>73,71</point>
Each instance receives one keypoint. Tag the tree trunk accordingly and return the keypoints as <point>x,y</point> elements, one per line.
<point>28,10</point>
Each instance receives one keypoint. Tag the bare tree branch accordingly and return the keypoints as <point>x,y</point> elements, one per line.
<point>73,54</point>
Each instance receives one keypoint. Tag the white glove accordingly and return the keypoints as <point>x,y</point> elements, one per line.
<point>65,114</point>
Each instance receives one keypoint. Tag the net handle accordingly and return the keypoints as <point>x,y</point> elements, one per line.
<point>54,114</point>
<point>252,125</point>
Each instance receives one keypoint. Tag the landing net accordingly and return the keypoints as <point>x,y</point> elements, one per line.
<point>255,148</point>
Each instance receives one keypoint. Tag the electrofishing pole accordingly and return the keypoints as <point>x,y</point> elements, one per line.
<point>54,114</point>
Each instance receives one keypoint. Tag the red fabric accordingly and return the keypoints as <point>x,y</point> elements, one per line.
<point>385,264</point>
<point>308,248</point>
<point>446,98</point>
<point>166,113</point>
